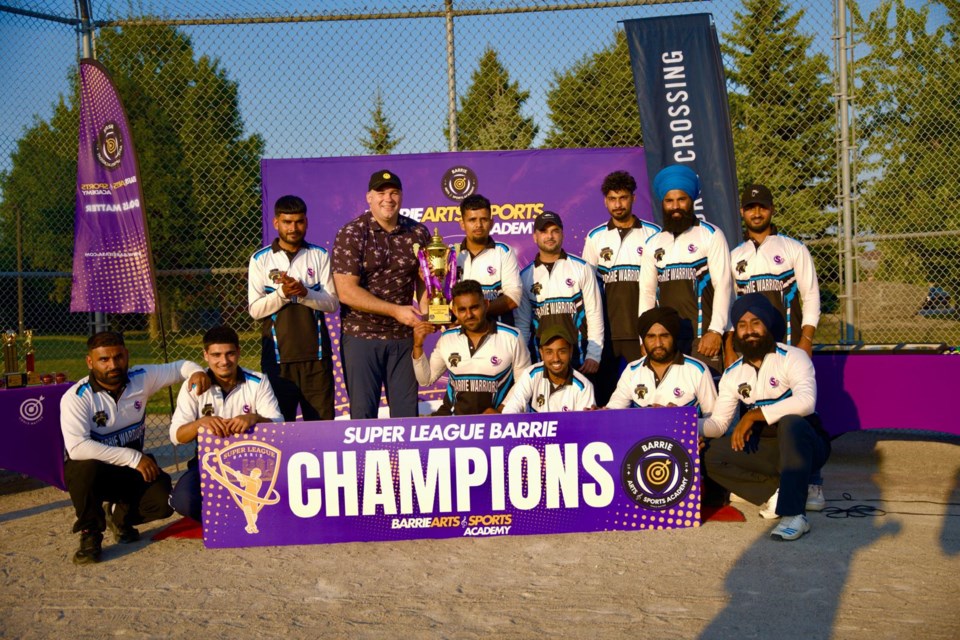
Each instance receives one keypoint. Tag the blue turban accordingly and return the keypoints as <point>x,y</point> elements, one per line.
<point>676,176</point>
<point>760,306</point>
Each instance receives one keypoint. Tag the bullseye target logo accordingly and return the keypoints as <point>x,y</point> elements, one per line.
<point>657,473</point>
<point>109,148</point>
<point>458,183</point>
<point>31,410</point>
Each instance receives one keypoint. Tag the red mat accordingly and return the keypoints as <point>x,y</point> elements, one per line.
<point>726,513</point>
<point>186,528</point>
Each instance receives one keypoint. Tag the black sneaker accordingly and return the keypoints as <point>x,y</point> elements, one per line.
<point>90,547</point>
<point>122,533</point>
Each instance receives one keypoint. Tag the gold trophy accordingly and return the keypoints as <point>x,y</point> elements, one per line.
<point>12,376</point>
<point>438,266</point>
<point>29,358</point>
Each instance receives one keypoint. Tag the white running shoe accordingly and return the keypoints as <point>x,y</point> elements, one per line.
<point>735,498</point>
<point>768,510</point>
<point>791,528</point>
<point>815,499</point>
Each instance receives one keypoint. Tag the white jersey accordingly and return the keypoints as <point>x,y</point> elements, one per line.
<point>691,273</point>
<point>784,385</point>
<point>567,293</point>
<point>534,393</point>
<point>295,326</point>
<point>782,270</point>
<point>495,268</point>
<point>97,427</point>
<point>616,255</point>
<point>253,394</point>
<point>478,379</point>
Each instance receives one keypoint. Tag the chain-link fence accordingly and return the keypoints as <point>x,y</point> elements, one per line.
<point>213,87</point>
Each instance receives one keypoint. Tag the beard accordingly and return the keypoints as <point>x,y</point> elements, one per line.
<point>754,350</point>
<point>676,226</point>
<point>661,356</point>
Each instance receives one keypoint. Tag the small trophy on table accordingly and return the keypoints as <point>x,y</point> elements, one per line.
<point>12,375</point>
<point>438,265</point>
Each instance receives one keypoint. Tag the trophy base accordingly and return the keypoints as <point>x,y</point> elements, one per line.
<point>15,380</point>
<point>439,314</point>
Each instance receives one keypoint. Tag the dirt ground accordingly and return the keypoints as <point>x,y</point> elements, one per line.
<point>883,576</point>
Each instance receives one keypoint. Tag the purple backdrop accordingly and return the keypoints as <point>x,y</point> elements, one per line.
<point>369,480</point>
<point>33,442</point>
<point>112,269</point>
<point>519,184</point>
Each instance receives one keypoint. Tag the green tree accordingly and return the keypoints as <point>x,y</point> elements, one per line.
<point>380,139</point>
<point>908,117</point>
<point>200,175</point>
<point>782,114</point>
<point>489,116</point>
<point>593,104</point>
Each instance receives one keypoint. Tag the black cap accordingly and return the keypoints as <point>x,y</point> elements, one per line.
<point>381,178</point>
<point>545,219</point>
<point>756,194</point>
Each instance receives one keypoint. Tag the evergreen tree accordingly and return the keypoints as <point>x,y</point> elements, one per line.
<point>380,139</point>
<point>489,116</point>
<point>908,117</point>
<point>782,114</point>
<point>594,104</point>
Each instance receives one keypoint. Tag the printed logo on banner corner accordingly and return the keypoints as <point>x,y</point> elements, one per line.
<point>248,470</point>
<point>31,410</point>
<point>458,183</point>
<point>109,149</point>
<point>657,473</point>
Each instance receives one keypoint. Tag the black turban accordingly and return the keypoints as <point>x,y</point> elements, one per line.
<point>666,316</point>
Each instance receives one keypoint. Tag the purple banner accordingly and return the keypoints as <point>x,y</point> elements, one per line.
<point>470,476</point>
<point>112,267</point>
<point>32,440</point>
<point>519,184</point>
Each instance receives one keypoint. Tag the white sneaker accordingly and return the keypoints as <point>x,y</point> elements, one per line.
<point>815,499</point>
<point>791,528</point>
<point>768,510</point>
<point>735,498</point>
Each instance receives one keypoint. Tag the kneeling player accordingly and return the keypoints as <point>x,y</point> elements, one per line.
<point>551,385</point>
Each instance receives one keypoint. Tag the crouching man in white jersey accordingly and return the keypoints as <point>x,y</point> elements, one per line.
<point>102,418</point>
<point>237,400</point>
<point>770,453</point>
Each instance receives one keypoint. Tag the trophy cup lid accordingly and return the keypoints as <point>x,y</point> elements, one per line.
<point>436,242</point>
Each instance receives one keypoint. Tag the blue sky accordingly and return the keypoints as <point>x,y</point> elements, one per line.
<point>308,87</point>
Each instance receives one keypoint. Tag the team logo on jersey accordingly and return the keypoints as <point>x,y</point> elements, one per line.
<point>275,276</point>
<point>641,391</point>
<point>741,266</point>
<point>778,259</point>
<point>658,255</point>
<point>744,390</point>
<point>564,408</point>
<point>536,288</point>
<point>495,361</point>
<point>100,418</point>
<point>458,183</point>
<point>491,270</point>
<point>207,409</point>
<point>246,408</point>
<point>639,251</point>
<point>137,405</point>
<point>248,471</point>
<point>109,150</point>
<point>569,282</point>
<point>692,248</point>
<point>606,254</point>
<point>454,359</point>
<point>657,473</point>
<point>677,392</point>
<point>310,271</point>
<point>541,400</point>
<point>774,383</point>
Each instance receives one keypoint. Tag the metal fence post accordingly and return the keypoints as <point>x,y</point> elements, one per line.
<point>843,98</point>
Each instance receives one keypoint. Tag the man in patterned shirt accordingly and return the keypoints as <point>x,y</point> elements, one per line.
<point>377,276</point>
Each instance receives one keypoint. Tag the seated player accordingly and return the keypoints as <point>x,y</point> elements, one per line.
<point>770,453</point>
<point>102,418</point>
<point>236,401</point>
<point>551,385</point>
<point>482,358</point>
<point>665,377</point>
